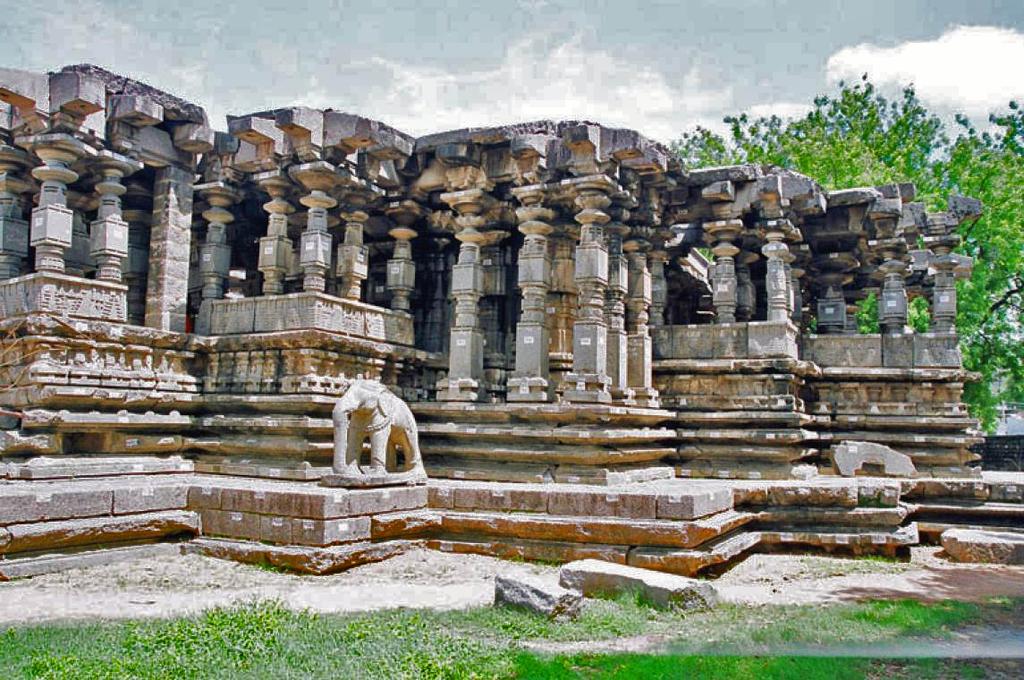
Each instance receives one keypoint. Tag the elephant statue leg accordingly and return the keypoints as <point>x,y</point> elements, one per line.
<point>347,442</point>
<point>379,449</point>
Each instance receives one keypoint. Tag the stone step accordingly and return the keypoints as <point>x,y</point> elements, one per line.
<point>712,452</point>
<point>742,469</point>
<point>728,418</point>
<point>301,501</point>
<point>553,552</point>
<point>284,530</point>
<point>450,467</point>
<point>95,421</point>
<point>533,413</point>
<point>56,535</point>
<point>977,512</point>
<point>749,435</point>
<point>689,562</point>
<point>922,490</point>
<point>547,453</point>
<point>848,517</point>
<point>931,531</point>
<point>276,423</point>
<point>263,467</point>
<point>566,434</point>
<point>912,422</point>
<point>50,563</point>
<point>671,499</point>
<point>628,532</point>
<point>819,492</point>
<point>410,524</point>
<point>853,540</point>
<point>39,501</point>
<point>67,467</point>
<point>308,560</point>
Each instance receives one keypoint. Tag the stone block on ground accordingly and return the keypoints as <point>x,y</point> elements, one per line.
<point>594,577</point>
<point>537,594</point>
<point>972,545</point>
<point>851,457</point>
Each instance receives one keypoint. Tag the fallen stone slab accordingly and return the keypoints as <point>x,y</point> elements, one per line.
<point>974,545</point>
<point>869,458</point>
<point>38,565</point>
<point>594,577</point>
<point>308,560</point>
<point>537,594</point>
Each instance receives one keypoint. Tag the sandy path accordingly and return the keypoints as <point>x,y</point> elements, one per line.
<point>182,584</point>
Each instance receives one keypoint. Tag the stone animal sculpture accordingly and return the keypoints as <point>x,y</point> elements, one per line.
<point>368,409</point>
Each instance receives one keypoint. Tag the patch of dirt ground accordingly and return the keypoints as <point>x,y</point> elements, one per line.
<point>175,585</point>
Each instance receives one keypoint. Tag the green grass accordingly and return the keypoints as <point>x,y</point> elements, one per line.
<point>268,640</point>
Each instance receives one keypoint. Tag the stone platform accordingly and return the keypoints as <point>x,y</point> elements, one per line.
<point>679,526</point>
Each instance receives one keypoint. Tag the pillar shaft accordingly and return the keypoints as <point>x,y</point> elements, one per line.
<point>14,231</point>
<point>466,348</point>
<point>589,380</point>
<point>275,247</point>
<point>52,220</point>
<point>640,348</point>
<point>531,380</point>
<point>776,277</point>
<point>215,253</point>
<point>724,282</point>
<point>169,246</point>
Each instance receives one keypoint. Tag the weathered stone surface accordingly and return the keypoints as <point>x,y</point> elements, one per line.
<point>594,577</point>
<point>309,560</point>
<point>996,547</point>
<point>851,457</point>
<point>37,565</point>
<point>76,532</point>
<point>541,595</point>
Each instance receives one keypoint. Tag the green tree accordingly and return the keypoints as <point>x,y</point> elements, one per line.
<point>857,137</point>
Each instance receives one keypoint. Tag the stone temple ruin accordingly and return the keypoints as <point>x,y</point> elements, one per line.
<point>608,355</point>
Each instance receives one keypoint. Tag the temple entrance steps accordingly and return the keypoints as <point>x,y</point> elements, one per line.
<point>541,442</point>
<point>44,519</point>
<point>995,501</point>
<point>680,526</point>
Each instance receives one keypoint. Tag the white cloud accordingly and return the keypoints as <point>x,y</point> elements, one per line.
<point>975,69</point>
<point>783,110</point>
<point>539,78</point>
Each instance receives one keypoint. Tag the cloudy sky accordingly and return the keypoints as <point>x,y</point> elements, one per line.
<point>428,65</point>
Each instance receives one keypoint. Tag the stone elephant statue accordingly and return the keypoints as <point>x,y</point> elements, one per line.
<point>368,409</point>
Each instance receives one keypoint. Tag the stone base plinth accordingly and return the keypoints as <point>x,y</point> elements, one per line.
<point>313,311</point>
<point>367,480</point>
<point>63,295</point>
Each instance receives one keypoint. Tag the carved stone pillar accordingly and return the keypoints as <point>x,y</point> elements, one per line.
<point>723,233</point>
<point>589,380</point>
<point>744,285</point>
<point>138,214</point>
<point>215,253</point>
<point>641,352</point>
<point>796,294</point>
<point>656,260</point>
<point>170,245</point>
<point>892,311</point>
<point>776,278</point>
<point>401,276</point>
<point>941,240</point>
<point>52,220</point>
<point>109,231</point>
<point>466,349</point>
<point>561,301</point>
<point>353,257</point>
<point>13,229</point>
<point>615,311</point>
<point>315,246</point>
<point>531,378</point>
<point>275,247</point>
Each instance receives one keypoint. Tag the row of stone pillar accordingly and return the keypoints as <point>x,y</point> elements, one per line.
<point>611,344</point>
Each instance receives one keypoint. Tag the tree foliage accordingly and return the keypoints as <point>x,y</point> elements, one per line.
<point>858,136</point>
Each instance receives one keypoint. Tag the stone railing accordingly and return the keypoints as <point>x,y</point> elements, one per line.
<point>743,340</point>
<point>901,350</point>
<point>63,295</point>
<point>310,311</point>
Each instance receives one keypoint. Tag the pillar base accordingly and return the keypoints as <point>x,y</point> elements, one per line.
<point>460,389</point>
<point>623,396</point>
<point>528,389</point>
<point>587,388</point>
<point>646,397</point>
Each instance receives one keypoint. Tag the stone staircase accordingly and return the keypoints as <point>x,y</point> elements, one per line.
<point>46,510</point>
<point>994,502</point>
